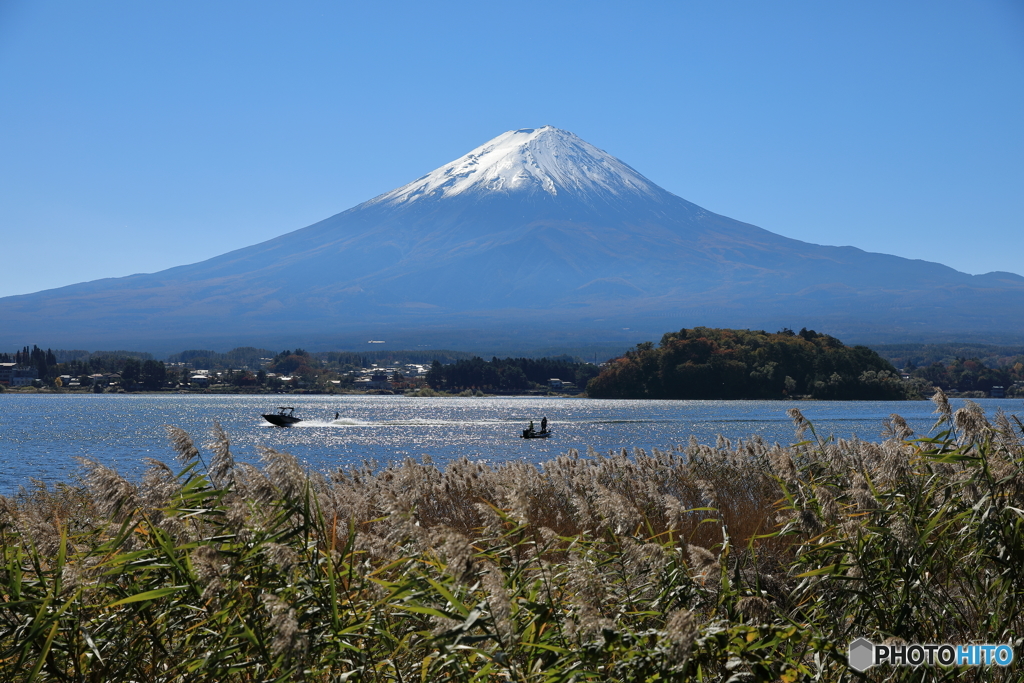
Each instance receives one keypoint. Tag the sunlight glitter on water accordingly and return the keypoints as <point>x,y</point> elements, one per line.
<point>40,435</point>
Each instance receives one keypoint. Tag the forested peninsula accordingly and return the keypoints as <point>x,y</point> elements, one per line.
<point>709,363</point>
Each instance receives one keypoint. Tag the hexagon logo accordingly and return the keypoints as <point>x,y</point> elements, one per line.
<point>862,654</point>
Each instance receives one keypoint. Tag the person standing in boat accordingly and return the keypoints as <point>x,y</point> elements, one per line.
<point>543,424</point>
<point>529,430</point>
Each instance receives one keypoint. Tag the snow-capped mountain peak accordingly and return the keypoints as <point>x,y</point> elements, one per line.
<point>543,159</point>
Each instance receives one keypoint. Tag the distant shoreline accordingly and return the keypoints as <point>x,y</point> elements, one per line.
<point>383,392</point>
<point>266,392</point>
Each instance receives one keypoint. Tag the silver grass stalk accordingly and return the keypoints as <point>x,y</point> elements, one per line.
<point>585,584</point>
<point>971,422</point>
<point>520,506</point>
<point>176,529</point>
<point>589,622</point>
<point>860,494</point>
<point>754,608</point>
<point>39,532</point>
<point>498,601</point>
<point>403,525</point>
<point>8,513</point>
<point>783,467</point>
<point>285,473</point>
<point>491,523</point>
<point>617,511</point>
<point>254,485</point>
<point>223,462</point>
<point>207,563</point>
<point>799,421</point>
<point>182,444</point>
<point>703,563</point>
<point>896,428</point>
<point>443,625</point>
<point>681,631</point>
<point>287,637</point>
<point>896,465</point>
<point>458,554</point>
<point>376,548</point>
<point>708,493</point>
<point>827,501</point>
<point>642,564</point>
<point>854,572</point>
<point>158,485</point>
<point>71,577</point>
<point>1006,434</point>
<point>113,495</point>
<point>809,522</point>
<point>903,533</point>
<point>675,512</point>
<point>281,555</point>
<point>942,409</point>
<point>548,536</point>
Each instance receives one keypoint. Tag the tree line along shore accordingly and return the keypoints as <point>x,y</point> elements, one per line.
<point>696,363</point>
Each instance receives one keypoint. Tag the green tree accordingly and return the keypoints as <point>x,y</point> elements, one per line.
<point>153,374</point>
<point>435,375</point>
<point>131,372</point>
<point>513,379</point>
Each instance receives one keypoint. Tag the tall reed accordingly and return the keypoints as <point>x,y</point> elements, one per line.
<point>741,561</point>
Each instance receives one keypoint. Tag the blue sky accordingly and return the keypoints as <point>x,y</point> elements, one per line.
<point>139,136</point>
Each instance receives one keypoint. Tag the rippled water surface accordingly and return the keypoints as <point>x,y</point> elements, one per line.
<point>40,434</point>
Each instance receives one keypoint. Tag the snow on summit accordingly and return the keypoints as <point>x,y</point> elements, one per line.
<point>528,160</point>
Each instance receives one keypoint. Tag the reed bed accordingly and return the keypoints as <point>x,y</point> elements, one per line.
<point>739,562</point>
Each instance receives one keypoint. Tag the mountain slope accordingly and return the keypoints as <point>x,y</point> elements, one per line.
<point>536,230</point>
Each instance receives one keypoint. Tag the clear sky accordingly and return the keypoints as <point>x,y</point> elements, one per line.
<point>137,136</point>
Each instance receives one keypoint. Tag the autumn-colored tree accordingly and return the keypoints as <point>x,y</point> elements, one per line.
<point>707,363</point>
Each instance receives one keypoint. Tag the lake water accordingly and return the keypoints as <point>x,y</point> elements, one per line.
<point>41,434</point>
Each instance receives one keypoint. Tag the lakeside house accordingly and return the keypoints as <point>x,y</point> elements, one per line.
<point>377,380</point>
<point>104,379</point>
<point>14,375</point>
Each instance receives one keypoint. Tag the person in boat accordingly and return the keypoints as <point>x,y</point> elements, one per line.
<point>529,430</point>
<point>543,424</point>
<point>337,415</point>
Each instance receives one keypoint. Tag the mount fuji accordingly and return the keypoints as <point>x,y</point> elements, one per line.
<point>535,238</point>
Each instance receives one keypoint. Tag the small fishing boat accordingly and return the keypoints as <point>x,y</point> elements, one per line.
<point>283,417</point>
<point>531,433</point>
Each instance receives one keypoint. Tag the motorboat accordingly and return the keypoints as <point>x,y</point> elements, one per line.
<point>283,417</point>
